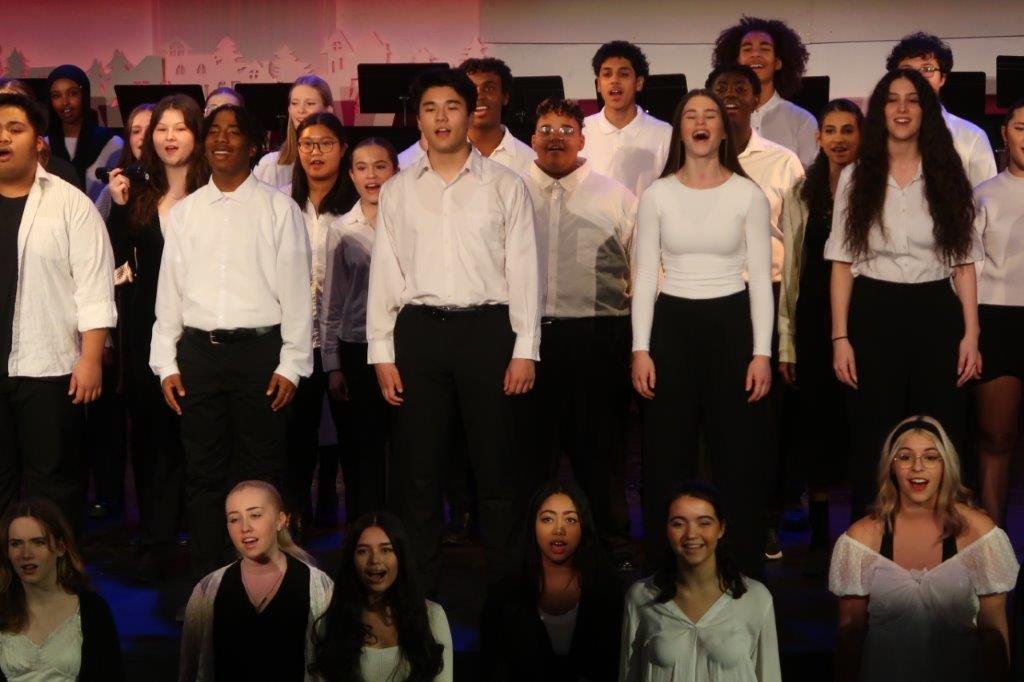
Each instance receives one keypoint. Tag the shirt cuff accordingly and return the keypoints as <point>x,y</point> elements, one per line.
<point>167,371</point>
<point>97,316</point>
<point>380,352</point>
<point>527,348</point>
<point>288,374</point>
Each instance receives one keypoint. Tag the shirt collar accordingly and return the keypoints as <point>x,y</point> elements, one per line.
<point>508,144</point>
<point>42,176</point>
<point>569,182</point>
<point>474,164</point>
<point>632,128</point>
<point>919,175</point>
<point>755,145</point>
<point>241,193</point>
<point>772,102</point>
<point>355,215</point>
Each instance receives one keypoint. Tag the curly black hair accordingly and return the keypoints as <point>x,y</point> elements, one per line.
<point>626,50</point>
<point>789,48</point>
<point>816,191</point>
<point>947,190</point>
<point>489,65</point>
<point>34,113</point>
<point>729,576</point>
<point>921,44</point>
<point>339,633</point>
<point>565,107</point>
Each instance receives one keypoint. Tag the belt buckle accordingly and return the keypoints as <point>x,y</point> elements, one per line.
<point>213,338</point>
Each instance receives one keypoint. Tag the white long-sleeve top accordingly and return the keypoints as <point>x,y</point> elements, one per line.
<point>703,238</point>
<point>974,149</point>
<point>1000,204</point>
<point>735,641</point>
<point>634,154</point>
<point>469,242</point>
<point>511,153</point>
<point>65,279</point>
<point>785,123</point>
<point>584,233</point>
<point>235,260</point>
<point>389,665</point>
<point>268,170</point>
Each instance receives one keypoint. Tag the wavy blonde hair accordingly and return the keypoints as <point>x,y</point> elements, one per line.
<point>951,490</point>
<point>290,148</point>
<point>284,538</point>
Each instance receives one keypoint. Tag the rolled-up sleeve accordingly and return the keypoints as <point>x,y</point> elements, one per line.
<point>836,248</point>
<point>92,267</point>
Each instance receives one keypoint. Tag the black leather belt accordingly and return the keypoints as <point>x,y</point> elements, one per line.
<point>449,312</point>
<point>219,336</point>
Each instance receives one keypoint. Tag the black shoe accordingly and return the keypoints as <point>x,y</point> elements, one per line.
<point>772,548</point>
<point>457,532</point>
<point>100,510</point>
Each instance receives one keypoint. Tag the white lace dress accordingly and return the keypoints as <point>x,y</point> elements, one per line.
<point>57,659</point>
<point>922,623</point>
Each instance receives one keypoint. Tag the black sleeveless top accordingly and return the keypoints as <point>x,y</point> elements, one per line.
<point>948,546</point>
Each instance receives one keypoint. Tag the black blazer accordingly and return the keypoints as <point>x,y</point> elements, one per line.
<point>515,645</point>
<point>101,649</point>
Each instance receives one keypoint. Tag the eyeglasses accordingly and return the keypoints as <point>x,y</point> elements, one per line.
<point>906,460</point>
<point>325,145</point>
<point>928,70</point>
<point>548,131</point>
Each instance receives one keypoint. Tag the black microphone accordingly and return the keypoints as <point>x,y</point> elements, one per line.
<point>134,173</point>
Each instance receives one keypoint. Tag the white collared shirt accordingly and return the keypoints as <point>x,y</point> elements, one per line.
<point>268,170</point>
<point>235,260</point>
<point>974,149</point>
<point>783,122</point>
<point>465,243</point>
<point>65,279</point>
<point>634,155</point>
<point>584,231</point>
<point>349,245</point>
<point>1000,204</point>
<point>317,227</point>
<point>703,239</point>
<point>905,253</point>
<point>511,153</point>
<point>775,169</point>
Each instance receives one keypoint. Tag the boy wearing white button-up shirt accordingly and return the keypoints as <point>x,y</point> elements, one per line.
<point>56,304</point>
<point>233,329</point>
<point>584,231</point>
<point>934,60</point>
<point>453,320</point>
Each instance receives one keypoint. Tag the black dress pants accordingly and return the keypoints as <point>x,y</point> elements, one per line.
<point>364,457</point>
<point>701,350</point>
<point>584,390</point>
<point>454,364</point>
<point>906,340</point>
<point>304,438</point>
<point>40,444</point>
<point>228,431</point>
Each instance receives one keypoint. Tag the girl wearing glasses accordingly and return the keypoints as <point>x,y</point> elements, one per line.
<point>309,95</point>
<point>922,580</point>
<point>320,188</point>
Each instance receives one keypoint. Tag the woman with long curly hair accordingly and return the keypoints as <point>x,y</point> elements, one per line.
<point>559,617</point>
<point>53,626</point>
<point>922,579</point>
<point>379,627</point>
<point>903,340</point>
<point>698,617</point>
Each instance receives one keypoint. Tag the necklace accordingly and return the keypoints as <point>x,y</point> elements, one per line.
<point>261,604</point>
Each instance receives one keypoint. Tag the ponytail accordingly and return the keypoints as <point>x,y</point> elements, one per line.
<point>284,539</point>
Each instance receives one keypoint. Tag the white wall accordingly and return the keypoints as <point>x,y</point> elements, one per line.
<point>846,40</point>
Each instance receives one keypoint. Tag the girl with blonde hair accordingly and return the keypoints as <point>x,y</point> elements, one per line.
<point>309,95</point>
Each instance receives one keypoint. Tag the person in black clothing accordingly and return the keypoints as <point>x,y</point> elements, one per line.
<point>805,317</point>
<point>75,133</point>
<point>60,167</point>
<point>46,598</point>
<point>560,617</point>
<point>176,166</point>
<point>252,619</point>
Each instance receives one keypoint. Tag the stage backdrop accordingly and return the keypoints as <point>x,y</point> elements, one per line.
<point>221,42</point>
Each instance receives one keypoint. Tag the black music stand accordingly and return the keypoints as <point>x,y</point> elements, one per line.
<point>813,94</point>
<point>131,96</point>
<point>662,94</point>
<point>269,102</point>
<point>384,88</point>
<point>1009,79</point>
<point>964,95</point>
<point>40,90</point>
<point>527,93</point>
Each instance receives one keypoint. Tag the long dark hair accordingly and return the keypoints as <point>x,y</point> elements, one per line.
<point>950,201</point>
<point>146,200</point>
<point>127,153</point>
<point>70,568</point>
<point>339,633</point>
<point>729,575</point>
<point>342,195</point>
<point>816,191</point>
<point>590,562</point>
<point>677,155</point>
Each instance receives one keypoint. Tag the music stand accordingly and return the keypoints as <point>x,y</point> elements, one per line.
<point>40,90</point>
<point>1009,79</point>
<point>813,94</point>
<point>527,93</point>
<point>131,96</point>
<point>964,95</point>
<point>384,88</point>
<point>269,102</point>
<point>662,94</point>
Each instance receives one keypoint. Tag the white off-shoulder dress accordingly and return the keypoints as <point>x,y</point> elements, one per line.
<point>735,641</point>
<point>922,624</point>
